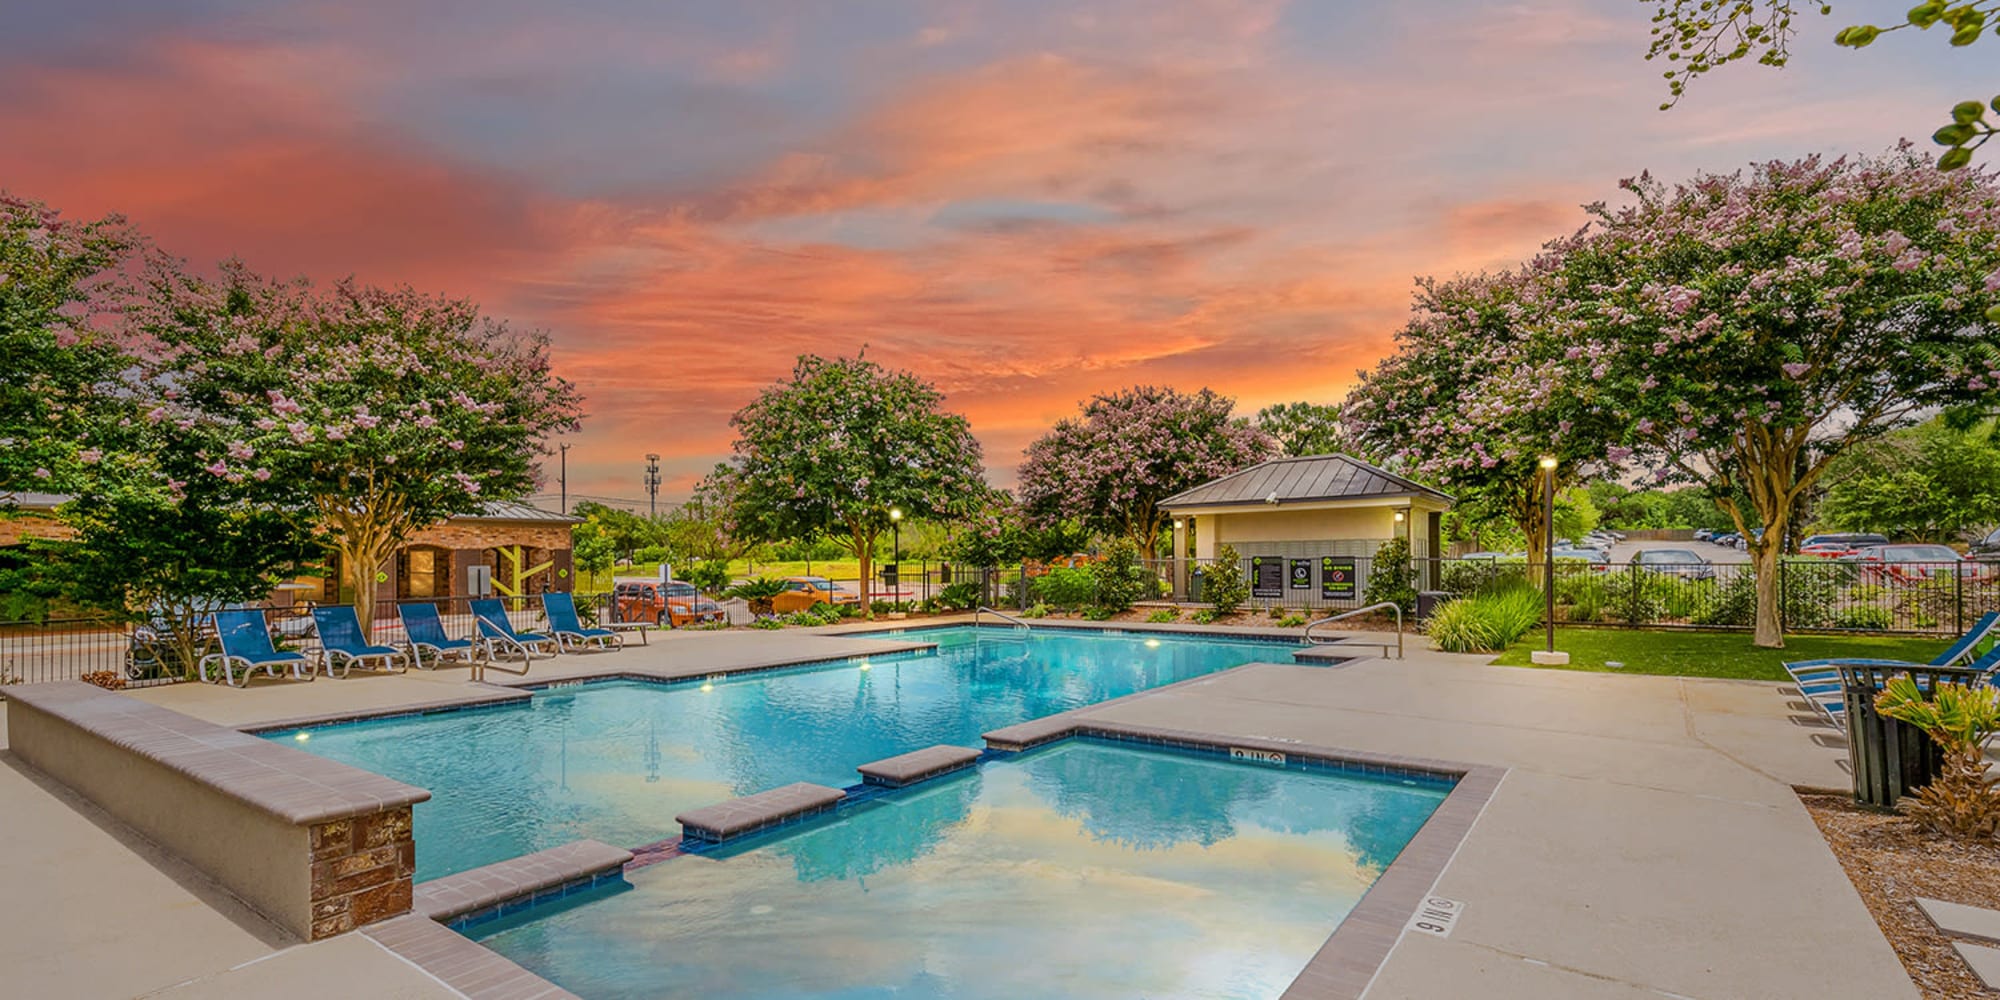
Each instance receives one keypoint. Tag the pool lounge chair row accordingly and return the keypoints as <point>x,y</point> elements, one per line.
<point>1818,681</point>
<point>246,641</point>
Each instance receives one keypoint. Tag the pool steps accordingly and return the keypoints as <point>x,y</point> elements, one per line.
<point>750,814</point>
<point>529,878</point>
<point>917,765</point>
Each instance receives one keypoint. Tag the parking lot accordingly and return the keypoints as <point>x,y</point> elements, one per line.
<point>1625,552</point>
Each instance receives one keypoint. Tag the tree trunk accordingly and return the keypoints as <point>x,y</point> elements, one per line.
<point>1529,516</point>
<point>863,546</point>
<point>362,564</point>
<point>1766,556</point>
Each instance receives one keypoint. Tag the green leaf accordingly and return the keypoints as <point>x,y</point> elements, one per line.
<point>1924,15</point>
<point>1857,36</point>
<point>1967,35</point>
<point>1993,314</point>
<point>1953,135</point>
<point>1967,112</point>
<point>1955,158</point>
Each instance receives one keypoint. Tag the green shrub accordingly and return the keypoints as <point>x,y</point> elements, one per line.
<point>767,623</point>
<point>1037,611</point>
<point>1392,577</point>
<point>1066,588</point>
<point>708,575</point>
<point>1224,586</point>
<point>1465,577</point>
<point>1292,621</point>
<point>1583,595</point>
<point>961,596</point>
<point>1485,623</point>
<point>1205,616</point>
<point>1163,615</point>
<point>1870,617</point>
<point>1732,602</point>
<point>1810,591</point>
<point>758,592</point>
<point>1120,578</point>
<point>1098,613</point>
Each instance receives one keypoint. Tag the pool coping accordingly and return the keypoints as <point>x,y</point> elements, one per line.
<point>1347,963</point>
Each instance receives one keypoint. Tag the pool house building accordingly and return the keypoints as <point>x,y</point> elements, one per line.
<point>1304,526</point>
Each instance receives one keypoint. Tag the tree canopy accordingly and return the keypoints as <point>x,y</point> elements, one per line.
<point>1740,331</point>
<point>1929,483</point>
<point>1303,428</point>
<point>376,411</point>
<point>840,444</point>
<point>1129,450</point>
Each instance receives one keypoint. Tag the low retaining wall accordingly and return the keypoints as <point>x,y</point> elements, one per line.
<point>316,846</point>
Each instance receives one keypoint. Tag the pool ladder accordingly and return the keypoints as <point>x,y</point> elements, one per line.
<point>1359,611</point>
<point>1002,615</point>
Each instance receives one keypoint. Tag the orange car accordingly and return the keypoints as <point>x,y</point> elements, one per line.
<point>802,592</point>
<point>670,604</point>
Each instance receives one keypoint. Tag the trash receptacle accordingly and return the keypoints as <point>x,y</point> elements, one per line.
<point>1428,601</point>
<point>1195,582</point>
<point>1890,758</point>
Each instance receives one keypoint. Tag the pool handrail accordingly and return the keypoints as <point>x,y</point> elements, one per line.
<point>1377,606</point>
<point>1002,615</point>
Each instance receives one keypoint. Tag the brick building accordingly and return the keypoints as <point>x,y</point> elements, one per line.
<point>523,550</point>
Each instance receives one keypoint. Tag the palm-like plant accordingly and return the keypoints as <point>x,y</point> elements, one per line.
<point>1961,801</point>
<point>758,592</point>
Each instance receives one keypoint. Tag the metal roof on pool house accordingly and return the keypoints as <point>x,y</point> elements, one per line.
<point>1320,479</point>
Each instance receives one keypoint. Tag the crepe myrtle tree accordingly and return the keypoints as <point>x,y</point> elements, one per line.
<point>377,412</point>
<point>1131,449</point>
<point>61,363</point>
<point>838,445</point>
<point>1464,403</point>
<point>1743,330</point>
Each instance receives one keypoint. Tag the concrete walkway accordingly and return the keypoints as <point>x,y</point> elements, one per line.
<point>1646,842</point>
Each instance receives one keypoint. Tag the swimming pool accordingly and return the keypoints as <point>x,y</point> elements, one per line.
<point>617,760</point>
<point>1083,870</point>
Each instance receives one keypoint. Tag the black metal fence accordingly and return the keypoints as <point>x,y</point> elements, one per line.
<point>1813,594</point>
<point>141,654</point>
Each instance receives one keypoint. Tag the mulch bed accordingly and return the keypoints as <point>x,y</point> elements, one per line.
<point>1892,862</point>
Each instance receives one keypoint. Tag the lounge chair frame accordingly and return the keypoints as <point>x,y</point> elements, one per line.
<point>342,622</point>
<point>234,630</point>
<point>568,628</point>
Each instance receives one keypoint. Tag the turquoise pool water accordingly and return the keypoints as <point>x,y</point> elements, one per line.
<point>616,760</point>
<point>1083,870</point>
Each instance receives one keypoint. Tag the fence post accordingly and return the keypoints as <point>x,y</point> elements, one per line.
<point>1958,597</point>
<point>1023,588</point>
<point>1784,619</point>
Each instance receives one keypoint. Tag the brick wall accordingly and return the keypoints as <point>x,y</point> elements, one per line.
<point>468,534</point>
<point>15,530</point>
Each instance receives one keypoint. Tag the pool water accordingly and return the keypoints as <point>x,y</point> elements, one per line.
<point>617,760</point>
<point>1082,870</point>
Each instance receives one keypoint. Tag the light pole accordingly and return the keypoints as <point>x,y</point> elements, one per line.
<point>1549,655</point>
<point>563,476</point>
<point>653,487</point>
<point>896,548</point>
<point>1180,552</point>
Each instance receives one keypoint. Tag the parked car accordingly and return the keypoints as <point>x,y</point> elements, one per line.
<point>1726,539</point>
<point>1908,562</point>
<point>1840,545</point>
<point>1684,563</point>
<point>1598,559</point>
<point>802,592</point>
<point>1986,549</point>
<point>1703,534</point>
<point>670,605</point>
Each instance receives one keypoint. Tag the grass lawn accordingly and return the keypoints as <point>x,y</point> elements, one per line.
<point>1708,654</point>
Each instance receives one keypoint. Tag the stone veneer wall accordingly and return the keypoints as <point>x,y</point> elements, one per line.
<point>316,846</point>
<point>363,869</point>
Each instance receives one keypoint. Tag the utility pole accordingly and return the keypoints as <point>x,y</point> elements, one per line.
<point>563,476</point>
<point>653,486</point>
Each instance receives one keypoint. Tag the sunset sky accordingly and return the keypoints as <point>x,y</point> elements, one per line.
<point>1025,202</point>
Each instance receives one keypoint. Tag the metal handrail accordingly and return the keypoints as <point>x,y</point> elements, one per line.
<point>1359,611</point>
<point>1002,615</point>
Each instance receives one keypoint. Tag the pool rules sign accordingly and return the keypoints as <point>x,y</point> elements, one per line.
<point>1336,578</point>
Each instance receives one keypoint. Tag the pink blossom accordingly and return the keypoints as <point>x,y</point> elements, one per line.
<point>1794,369</point>
<point>90,456</point>
<point>41,473</point>
<point>261,475</point>
<point>218,469</point>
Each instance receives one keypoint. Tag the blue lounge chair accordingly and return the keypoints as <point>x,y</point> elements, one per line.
<point>568,627</point>
<point>342,642</point>
<point>425,631</point>
<point>246,639</point>
<point>496,633</point>
<point>1827,698</point>
<point>1813,671</point>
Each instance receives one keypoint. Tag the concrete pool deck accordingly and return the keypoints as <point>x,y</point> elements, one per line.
<point>1645,841</point>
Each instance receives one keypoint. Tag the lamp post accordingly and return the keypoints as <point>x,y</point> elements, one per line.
<point>1549,655</point>
<point>1180,557</point>
<point>896,549</point>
